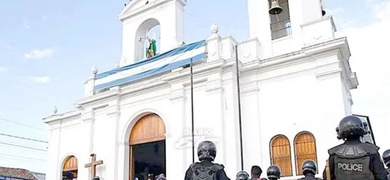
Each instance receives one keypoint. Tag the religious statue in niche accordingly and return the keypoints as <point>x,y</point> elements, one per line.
<point>151,50</point>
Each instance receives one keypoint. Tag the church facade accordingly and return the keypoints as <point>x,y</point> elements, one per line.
<point>282,105</point>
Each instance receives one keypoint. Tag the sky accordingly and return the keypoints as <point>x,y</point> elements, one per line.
<point>48,48</point>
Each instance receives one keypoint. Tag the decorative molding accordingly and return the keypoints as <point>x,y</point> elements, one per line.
<point>112,110</point>
<point>214,85</point>
<point>197,69</point>
<point>250,89</point>
<point>354,80</point>
<point>124,143</point>
<point>177,94</point>
<point>100,96</point>
<point>168,135</point>
<point>328,74</point>
<point>128,12</point>
<point>58,117</point>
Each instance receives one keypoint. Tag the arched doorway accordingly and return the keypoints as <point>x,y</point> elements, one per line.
<point>147,147</point>
<point>70,168</point>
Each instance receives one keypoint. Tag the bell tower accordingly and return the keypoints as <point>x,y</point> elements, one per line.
<point>139,17</point>
<point>282,26</point>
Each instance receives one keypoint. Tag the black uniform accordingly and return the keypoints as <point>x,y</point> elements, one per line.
<point>273,172</point>
<point>206,169</point>
<point>242,175</point>
<point>200,170</point>
<point>309,177</point>
<point>386,160</point>
<point>354,160</point>
<point>309,169</point>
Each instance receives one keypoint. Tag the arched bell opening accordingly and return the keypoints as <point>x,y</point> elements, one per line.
<point>147,40</point>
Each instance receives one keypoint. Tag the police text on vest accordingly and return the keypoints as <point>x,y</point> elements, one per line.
<point>350,167</point>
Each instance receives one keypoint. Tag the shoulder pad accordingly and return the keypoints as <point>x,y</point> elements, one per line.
<point>217,167</point>
<point>353,150</point>
<point>194,165</point>
<point>332,150</point>
<point>371,148</point>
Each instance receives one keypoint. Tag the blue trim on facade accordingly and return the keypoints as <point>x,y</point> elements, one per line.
<point>151,72</point>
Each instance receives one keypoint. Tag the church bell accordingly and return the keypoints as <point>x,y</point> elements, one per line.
<point>275,8</point>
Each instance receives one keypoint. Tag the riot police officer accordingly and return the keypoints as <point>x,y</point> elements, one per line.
<point>256,172</point>
<point>206,169</point>
<point>242,175</point>
<point>354,159</point>
<point>273,172</point>
<point>386,160</point>
<point>309,169</point>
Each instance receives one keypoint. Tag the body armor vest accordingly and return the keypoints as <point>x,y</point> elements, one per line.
<point>310,178</point>
<point>200,172</point>
<point>388,173</point>
<point>352,161</point>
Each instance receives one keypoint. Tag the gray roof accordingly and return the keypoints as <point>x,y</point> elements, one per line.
<point>18,173</point>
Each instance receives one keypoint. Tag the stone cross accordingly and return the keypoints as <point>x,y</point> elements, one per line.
<point>93,165</point>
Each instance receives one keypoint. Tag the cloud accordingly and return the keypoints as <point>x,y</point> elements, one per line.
<point>3,69</point>
<point>340,19</point>
<point>40,79</point>
<point>26,25</point>
<point>370,60</point>
<point>8,47</point>
<point>44,18</point>
<point>39,53</point>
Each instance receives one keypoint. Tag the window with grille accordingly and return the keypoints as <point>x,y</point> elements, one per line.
<point>305,149</point>
<point>280,23</point>
<point>281,154</point>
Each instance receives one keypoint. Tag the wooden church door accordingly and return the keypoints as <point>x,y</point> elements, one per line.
<point>147,148</point>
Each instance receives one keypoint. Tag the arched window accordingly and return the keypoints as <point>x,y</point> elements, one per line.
<point>70,168</point>
<point>281,154</point>
<point>280,23</point>
<point>305,149</point>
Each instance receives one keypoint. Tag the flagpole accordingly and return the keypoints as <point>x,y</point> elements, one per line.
<point>239,109</point>
<point>192,113</point>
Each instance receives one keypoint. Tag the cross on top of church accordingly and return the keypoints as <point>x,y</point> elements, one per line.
<point>93,164</point>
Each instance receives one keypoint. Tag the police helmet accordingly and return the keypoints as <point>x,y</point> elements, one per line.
<point>350,127</point>
<point>309,166</point>
<point>207,150</point>
<point>386,157</point>
<point>273,172</point>
<point>242,175</point>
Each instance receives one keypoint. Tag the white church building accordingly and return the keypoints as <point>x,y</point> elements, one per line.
<point>291,90</point>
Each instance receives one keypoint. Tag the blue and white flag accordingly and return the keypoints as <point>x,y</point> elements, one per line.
<point>158,64</point>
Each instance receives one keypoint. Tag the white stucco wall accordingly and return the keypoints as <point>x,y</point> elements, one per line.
<point>307,91</point>
<point>305,19</point>
<point>169,15</point>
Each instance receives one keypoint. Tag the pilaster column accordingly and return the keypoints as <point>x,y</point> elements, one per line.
<point>87,126</point>
<point>176,154</point>
<point>215,118</point>
<point>113,116</point>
